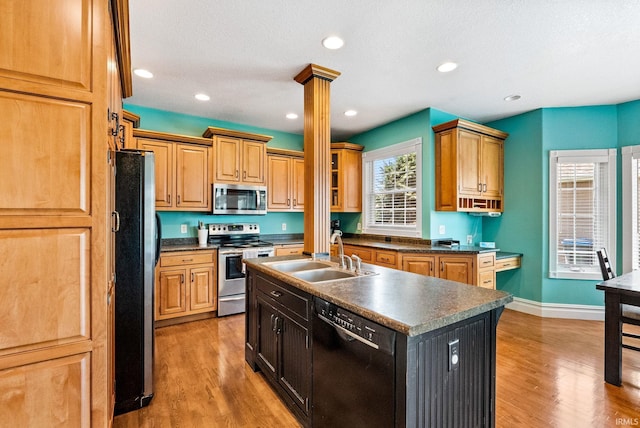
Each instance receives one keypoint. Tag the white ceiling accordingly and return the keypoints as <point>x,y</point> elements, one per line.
<point>245,53</point>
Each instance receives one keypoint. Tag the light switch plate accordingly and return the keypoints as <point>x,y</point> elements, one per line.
<point>183,228</point>
<point>441,229</point>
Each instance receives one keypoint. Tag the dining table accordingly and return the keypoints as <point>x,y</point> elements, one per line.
<point>618,291</point>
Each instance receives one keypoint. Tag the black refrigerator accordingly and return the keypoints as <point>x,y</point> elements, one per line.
<point>137,252</point>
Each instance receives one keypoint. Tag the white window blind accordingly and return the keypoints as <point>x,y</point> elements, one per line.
<point>392,177</point>
<point>582,211</point>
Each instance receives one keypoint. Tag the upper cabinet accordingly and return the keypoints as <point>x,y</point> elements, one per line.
<point>129,122</point>
<point>285,182</point>
<point>346,177</point>
<point>239,156</point>
<point>469,167</point>
<point>182,169</point>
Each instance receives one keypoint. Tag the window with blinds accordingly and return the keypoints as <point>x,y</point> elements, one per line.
<point>392,199</point>
<point>582,211</point>
<point>630,208</point>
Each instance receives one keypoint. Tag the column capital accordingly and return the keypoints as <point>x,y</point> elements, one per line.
<point>314,70</point>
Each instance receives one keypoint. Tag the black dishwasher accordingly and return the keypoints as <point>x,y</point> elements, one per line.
<point>353,369</point>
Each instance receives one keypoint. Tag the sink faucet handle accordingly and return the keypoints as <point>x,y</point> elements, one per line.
<point>348,259</point>
<point>358,261</point>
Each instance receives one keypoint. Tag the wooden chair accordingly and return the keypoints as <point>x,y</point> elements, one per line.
<point>630,314</point>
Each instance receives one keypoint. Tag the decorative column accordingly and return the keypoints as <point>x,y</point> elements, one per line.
<point>317,157</point>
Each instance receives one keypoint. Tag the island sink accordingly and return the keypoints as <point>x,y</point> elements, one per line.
<point>314,271</point>
<point>301,265</point>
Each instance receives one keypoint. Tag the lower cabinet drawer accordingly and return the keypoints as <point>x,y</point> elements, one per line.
<point>289,250</point>
<point>365,254</point>
<point>508,263</point>
<point>186,258</point>
<point>487,279</point>
<point>386,258</point>
<point>291,301</point>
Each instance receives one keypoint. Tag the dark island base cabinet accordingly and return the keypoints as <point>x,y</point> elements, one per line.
<point>429,391</point>
<point>278,340</point>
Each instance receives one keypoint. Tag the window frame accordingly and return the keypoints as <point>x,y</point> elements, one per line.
<point>608,157</point>
<point>630,220</point>
<point>398,149</point>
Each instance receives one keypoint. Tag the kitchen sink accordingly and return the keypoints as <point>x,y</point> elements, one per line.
<point>319,275</point>
<point>300,265</point>
<point>315,270</point>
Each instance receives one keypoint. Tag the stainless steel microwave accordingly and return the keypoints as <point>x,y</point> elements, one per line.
<point>239,199</point>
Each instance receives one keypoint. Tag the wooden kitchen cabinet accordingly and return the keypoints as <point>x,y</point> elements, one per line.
<point>285,183</point>
<point>130,121</point>
<point>65,69</point>
<point>472,269</point>
<point>486,273</point>
<point>185,284</point>
<point>288,249</point>
<point>469,167</point>
<point>346,177</point>
<point>240,157</point>
<point>278,339</point>
<point>182,170</point>
<point>386,258</point>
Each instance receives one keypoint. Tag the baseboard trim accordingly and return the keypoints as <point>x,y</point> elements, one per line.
<point>557,310</point>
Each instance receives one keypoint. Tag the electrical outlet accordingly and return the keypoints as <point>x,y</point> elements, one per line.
<point>441,229</point>
<point>359,226</point>
<point>469,239</point>
<point>284,226</point>
<point>183,228</point>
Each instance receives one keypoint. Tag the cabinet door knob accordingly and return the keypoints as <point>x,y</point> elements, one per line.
<point>484,187</point>
<point>181,278</point>
<point>191,276</point>
<point>237,173</point>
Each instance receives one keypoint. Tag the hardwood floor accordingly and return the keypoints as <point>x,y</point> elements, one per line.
<point>549,374</point>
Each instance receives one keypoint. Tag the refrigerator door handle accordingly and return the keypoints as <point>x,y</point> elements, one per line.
<point>116,226</point>
<point>158,238</point>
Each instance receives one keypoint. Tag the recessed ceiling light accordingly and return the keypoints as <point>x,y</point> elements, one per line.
<point>350,113</point>
<point>446,67</point>
<point>333,42</point>
<point>143,73</point>
<point>512,98</point>
<point>203,97</point>
<point>291,116</point>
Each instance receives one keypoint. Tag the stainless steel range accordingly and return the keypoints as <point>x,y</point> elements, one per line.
<point>235,241</point>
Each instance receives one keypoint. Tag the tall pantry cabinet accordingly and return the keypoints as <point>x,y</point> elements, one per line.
<point>64,69</point>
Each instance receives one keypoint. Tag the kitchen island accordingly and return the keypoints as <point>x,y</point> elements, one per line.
<point>440,335</point>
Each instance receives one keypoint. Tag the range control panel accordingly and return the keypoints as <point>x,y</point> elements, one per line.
<point>375,334</point>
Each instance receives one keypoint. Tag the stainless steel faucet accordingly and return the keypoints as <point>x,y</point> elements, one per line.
<point>337,236</point>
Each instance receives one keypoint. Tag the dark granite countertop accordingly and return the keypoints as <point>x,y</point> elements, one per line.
<point>417,248</point>
<point>506,255</point>
<point>183,244</point>
<point>408,303</point>
<point>403,247</point>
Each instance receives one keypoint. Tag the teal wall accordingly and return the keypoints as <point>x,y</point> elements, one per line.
<point>177,123</point>
<point>525,224</point>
